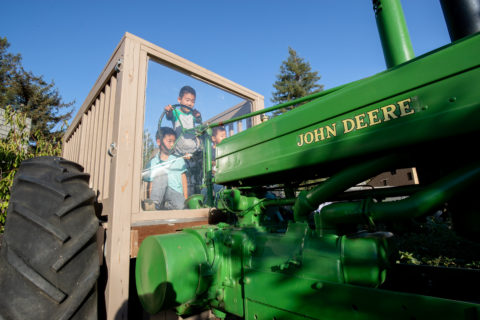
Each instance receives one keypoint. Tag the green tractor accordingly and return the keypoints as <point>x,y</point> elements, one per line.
<point>334,256</point>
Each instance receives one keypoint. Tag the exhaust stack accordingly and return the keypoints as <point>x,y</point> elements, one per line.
<point>462,17</point>
<point>396,44</point>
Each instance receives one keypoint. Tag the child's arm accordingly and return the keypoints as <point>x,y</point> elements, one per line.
<point>197,115</point>
<point>185,185</point>
<point>169,113</point>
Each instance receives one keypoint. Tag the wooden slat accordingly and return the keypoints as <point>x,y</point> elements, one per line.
<point>66,151</point>
<point>93,150</point>
<point>87,120</point>
<point>150,217</point>
<point>91,133</point>
<point>77,142</point>
<point>103,141</point>
<point>139,233</point>
<point>99,139</point>
<point>108,159</point>
<point>74,145</point>
<point>71,148</point>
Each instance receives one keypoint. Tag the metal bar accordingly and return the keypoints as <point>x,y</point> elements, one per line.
<point>207,142</point>
<point>309,201</point>
<point>396,44</point>
<point>279,106</point>
<point>415,206</point>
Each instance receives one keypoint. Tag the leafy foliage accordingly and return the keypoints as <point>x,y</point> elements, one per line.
<point>18,146</point>
<point>9,69</point>
<point>295,80</point>
<point>32,95</point>
<point>148,148</point>
<point>25,95</point>
<point>435,243</point>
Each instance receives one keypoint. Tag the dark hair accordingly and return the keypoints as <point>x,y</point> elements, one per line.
<point>187,89</point>
<point>215,130</point>
<point>165,131</point>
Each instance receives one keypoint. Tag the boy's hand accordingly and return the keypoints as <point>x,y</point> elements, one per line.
<point>196,113</point>
<point>169,108</point>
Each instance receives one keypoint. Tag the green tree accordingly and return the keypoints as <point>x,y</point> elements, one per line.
<point>16,148</point>
<point>25,95</point>
<point>9,68</point>
<point>32,95</point>
<point>148,148</point>
<point>295,80</point>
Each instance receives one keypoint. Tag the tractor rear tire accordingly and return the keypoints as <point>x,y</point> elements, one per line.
<point>49,261</point>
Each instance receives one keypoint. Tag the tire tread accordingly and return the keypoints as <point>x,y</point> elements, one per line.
<point>49,253</point>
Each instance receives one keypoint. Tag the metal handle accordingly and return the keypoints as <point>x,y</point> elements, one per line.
<point>112,150</point>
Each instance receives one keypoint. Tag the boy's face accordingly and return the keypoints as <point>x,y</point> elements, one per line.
<point>217,138</point>
<point>168,142</point>
<point>188,100</point>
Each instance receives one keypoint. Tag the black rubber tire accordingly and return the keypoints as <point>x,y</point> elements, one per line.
<point>49,261</point>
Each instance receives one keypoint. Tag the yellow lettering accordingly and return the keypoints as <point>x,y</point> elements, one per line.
<point>332,130</point>
<point>389,112</point>
<point>300,143</point>
<point>405,107</point>
<point>360,121</point>
<point>373,117</point>
<point>319,132</point>
<point>348,125</point>
<point>308,139</point>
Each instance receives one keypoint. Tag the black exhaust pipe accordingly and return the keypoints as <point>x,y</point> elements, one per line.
<point>462,17</point>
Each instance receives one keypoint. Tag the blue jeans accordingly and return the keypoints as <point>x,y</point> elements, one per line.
<point>165,197</point>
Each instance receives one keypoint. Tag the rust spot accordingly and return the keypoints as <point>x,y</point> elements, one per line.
<point>124,186</point>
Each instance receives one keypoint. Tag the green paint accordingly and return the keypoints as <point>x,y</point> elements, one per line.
<point>335,263</point>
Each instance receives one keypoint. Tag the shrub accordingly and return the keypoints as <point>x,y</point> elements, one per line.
<point>20,145</point>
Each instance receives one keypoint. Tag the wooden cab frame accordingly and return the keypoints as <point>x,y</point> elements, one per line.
<point>105,137</point>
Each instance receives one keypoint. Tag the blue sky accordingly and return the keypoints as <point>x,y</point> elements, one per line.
<point>245,41</point>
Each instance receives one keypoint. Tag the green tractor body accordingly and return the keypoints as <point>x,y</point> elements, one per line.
<point>334,257</point>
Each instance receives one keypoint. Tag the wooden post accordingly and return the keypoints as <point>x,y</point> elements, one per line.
<point>121,181</point>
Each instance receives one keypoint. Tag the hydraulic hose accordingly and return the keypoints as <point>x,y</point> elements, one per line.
<point>310,200</point>
<point>416,205</point>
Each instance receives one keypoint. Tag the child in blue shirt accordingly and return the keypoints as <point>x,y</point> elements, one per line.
<point>165,174</point>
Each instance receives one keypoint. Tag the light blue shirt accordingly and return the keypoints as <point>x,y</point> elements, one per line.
<point>171,169</point>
